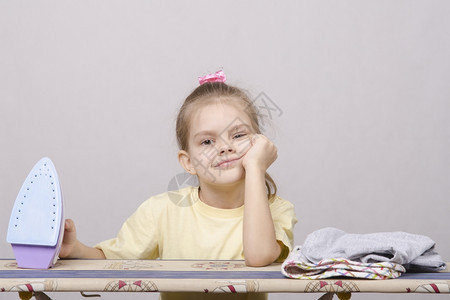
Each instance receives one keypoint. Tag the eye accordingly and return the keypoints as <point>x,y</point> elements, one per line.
<point>239,135</point>
<point>207,142</point>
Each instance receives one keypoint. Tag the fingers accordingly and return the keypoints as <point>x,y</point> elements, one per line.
<point>262,152</point>
<point>267,144</point>
<point>69,225</point>
<point>69,239</point>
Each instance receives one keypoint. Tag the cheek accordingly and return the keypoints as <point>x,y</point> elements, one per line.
<point>243,145</point>
<point>204,154</point>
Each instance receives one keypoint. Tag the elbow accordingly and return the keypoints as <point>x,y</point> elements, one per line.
<point>256,263</point>
<point>259,260</point>
<point>257,257</point>
<point>261,256</point>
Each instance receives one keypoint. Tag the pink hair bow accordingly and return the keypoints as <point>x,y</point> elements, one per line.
<point>219,76</point>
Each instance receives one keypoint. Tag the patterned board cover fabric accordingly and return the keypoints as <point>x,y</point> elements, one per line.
<point>198,276</point>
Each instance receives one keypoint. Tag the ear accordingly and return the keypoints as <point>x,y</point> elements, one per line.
<point>185,161</point>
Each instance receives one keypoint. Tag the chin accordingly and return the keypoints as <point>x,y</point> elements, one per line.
<point>230,176</point>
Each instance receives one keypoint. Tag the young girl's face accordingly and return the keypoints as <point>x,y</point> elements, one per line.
<point>219,137</point>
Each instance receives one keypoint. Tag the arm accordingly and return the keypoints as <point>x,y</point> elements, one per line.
<point>72,248</point>
<point>260,245</point>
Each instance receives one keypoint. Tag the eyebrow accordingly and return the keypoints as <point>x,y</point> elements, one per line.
<point>238,127</point>
<point>204,132</point>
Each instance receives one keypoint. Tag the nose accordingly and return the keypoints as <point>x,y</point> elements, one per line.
<point>225,148</point>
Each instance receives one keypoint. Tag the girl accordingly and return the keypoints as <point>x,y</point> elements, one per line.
<point>234,213</point>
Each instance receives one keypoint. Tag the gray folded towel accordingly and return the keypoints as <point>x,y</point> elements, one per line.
<point>410,250</point>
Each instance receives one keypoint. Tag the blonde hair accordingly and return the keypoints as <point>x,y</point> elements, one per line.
<point>212,92</point>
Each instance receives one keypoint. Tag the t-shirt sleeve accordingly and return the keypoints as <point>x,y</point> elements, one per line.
<point>137,239</point>
<point>284,219</point>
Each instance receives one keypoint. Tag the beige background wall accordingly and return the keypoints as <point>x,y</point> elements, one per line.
<point>360,90</point>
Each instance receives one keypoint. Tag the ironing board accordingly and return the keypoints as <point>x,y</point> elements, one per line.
<point>196,276</point>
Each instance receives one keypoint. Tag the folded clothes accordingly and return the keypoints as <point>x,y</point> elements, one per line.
<point>297,266</point>
<point>331,252</point>
<point>398,247</point>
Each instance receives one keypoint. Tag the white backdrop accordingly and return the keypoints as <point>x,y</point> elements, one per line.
<point>360,92</point>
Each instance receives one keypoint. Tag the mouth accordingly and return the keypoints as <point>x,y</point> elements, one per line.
<point>227,163</point>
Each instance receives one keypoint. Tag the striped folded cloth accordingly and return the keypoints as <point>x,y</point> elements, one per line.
<point>298,266</point>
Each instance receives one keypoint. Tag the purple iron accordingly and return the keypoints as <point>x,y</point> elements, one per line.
<point>36,225</point>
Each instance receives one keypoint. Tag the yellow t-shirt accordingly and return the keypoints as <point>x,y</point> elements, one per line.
<point>177,225</point>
